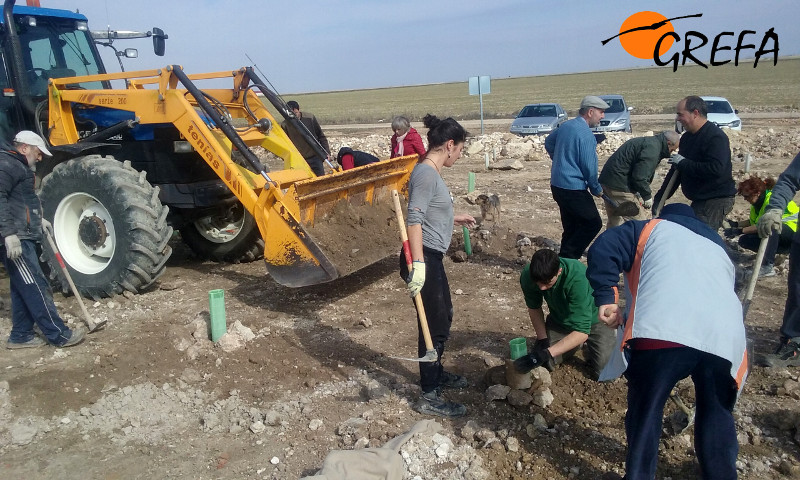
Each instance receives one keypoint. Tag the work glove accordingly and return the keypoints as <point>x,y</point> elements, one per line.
<point>648,203</point>
<point>542,344</point>
<point>46,225</point>
<point>771,221</point>
<point>675,159</point>
<point>728,223</point>
<point>13,247</point>
<point>416,278</point>
<point>537,358</point>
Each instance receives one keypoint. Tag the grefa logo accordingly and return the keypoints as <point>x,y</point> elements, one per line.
<point>650,35</point>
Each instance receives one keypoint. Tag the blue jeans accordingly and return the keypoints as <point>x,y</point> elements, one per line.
<point>651,376</point>
<point>31,299</point>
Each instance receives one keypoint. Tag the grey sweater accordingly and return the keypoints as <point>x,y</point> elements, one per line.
<point>430,205</point>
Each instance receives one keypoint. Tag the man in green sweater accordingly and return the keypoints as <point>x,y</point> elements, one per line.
<point>572,321</point>
<point>627,173</point>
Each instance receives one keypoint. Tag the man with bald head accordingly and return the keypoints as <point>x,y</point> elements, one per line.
<point>703,164</point>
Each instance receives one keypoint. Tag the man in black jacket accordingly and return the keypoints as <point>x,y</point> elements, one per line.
<point>21,229</point>
<point>703,163</point>
<point>307,151</point>
<point>627,173</point>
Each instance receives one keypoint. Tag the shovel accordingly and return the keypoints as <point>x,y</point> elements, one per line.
<point>93,326</point>
<point>624,209</point>
<point>663,198</point>
<point>430,354</point>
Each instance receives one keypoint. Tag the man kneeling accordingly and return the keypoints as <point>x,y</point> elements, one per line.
<point>572,320</point>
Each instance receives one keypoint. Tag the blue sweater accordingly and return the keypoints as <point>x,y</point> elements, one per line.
<point>573,148</point>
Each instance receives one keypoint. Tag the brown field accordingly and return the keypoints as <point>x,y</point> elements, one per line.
<point>648,90</point>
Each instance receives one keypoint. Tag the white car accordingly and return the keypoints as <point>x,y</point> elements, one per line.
<point>722,113</point>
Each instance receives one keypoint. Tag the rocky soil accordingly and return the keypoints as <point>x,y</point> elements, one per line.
<point>303,372</point>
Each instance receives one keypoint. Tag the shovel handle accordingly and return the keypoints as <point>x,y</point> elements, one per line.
<point>751,285</point>
<point>88,318</point>
<point>423,319</point>
<point>670,184</point>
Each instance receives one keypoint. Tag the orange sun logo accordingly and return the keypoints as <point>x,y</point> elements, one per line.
<point>640,32</point>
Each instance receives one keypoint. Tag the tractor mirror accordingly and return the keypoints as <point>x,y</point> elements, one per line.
<point>158,41</point>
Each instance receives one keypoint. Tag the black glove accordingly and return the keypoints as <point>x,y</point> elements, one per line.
<point>731,232</point>
<point>728,223</point>
<point>542,344</point>
<point>538,358</point>
<point>656,201</point>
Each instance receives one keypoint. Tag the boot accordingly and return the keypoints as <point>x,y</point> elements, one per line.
<point>431,403</point>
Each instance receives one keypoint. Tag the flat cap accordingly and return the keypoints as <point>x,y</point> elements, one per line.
<point>593,101</point>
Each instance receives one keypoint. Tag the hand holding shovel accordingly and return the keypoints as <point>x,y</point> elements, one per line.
<point>430,354</point>
<point>93,326</point>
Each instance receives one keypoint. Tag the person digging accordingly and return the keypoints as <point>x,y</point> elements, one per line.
<point>572,321</point>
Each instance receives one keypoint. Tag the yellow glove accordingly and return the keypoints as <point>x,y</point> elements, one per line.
<point>416,278</point>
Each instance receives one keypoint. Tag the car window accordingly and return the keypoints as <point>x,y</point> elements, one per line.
<point>616,105</point>
<point>718,106</point>
<point>538,111</point>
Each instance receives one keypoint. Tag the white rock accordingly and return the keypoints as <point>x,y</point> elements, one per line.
<point>442,450</point>
<point>275,460</point>
<point>258,427</point>
<point>315,424</point>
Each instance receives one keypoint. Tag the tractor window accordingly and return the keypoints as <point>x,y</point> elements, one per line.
<point>57,50</point>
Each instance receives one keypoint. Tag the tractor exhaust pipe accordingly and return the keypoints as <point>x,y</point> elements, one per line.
<point>14,52</point>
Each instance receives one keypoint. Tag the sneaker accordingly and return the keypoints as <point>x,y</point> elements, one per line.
<point>431,403</point>
<point>78,335</point>
<point>451,380</point>
<point>787,355</point>
<point>36,341</point>
<point>767,270</point>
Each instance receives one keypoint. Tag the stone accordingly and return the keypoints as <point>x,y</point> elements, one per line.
<point>258,427</point>
<point>374,390</point>
<point>539,422</point>
<point>512,444</point>
<point>543,398</point>
<point>469,429</point>
<point>519,398</point>
<point>22,434</point>
<point>497,392</point>
<point>511,164</point>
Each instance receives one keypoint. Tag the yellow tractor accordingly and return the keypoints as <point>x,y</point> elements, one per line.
<point>130,163</point>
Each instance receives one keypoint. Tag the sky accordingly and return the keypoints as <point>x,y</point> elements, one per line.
<point>325,45</point>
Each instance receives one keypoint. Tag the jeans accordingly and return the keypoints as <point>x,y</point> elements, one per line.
<point>599,345</point>
<point>31,299</point>
<point>783,240</point>
<point>579,218</point>
<point>713,211</point>
<point>438,306</point>
<point>651,376</point>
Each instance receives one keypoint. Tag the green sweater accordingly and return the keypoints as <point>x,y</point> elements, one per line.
<point>570,300</point>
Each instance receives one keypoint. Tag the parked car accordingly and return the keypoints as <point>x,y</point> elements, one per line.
<point>538,118</point>
<point>722,113</point>
<point>618,115</point>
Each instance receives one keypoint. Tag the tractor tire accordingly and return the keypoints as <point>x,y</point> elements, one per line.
<point>233,238</point>
<point>108,224</point>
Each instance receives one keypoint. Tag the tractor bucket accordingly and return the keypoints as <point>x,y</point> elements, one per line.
<point>327,227</point>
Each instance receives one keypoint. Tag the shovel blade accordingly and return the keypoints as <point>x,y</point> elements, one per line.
<point>430,357</point>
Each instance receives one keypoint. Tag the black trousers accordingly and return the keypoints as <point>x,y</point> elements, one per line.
<point>579,219</point>
<point>439,311</point>
<point>791,314</point>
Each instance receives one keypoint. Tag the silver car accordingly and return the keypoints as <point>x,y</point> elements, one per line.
<point>618,115</point>
<point>538,118</point>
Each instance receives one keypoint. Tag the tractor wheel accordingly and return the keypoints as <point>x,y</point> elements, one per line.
<point>230,237</point>
<point>109,225</point>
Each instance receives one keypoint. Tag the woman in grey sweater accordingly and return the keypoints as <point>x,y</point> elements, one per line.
<point>430,227</point>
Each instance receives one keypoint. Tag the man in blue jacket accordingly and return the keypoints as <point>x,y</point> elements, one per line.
<point>573,149</point>
<point>21,229</point>
<point>682,318</point>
